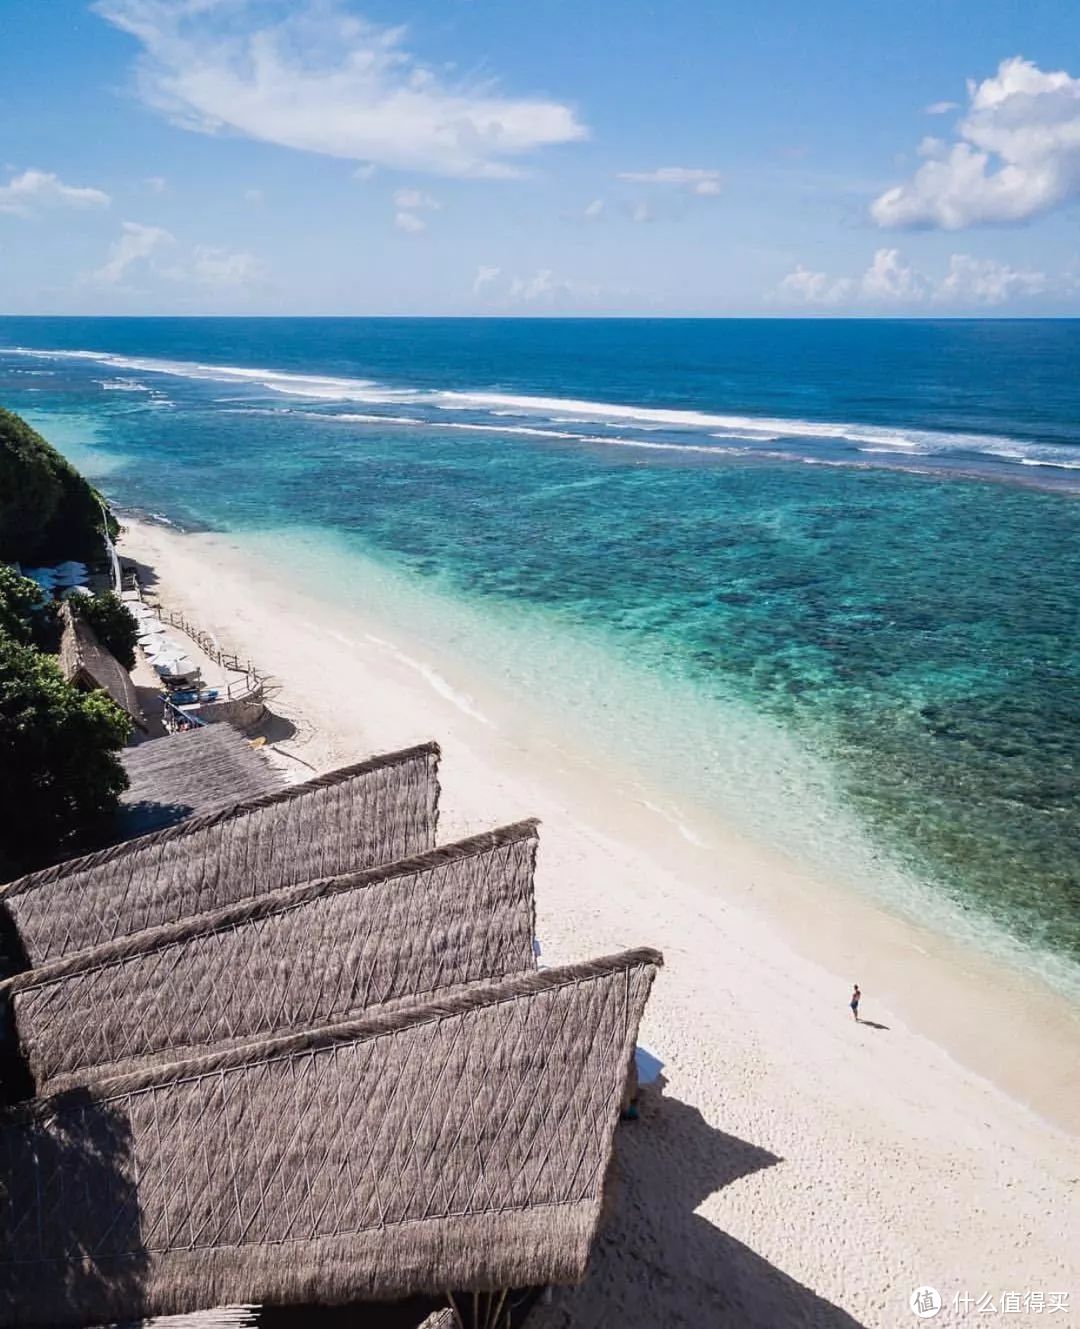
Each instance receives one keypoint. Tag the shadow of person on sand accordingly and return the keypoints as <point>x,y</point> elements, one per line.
<point>872,1024</point>
<point>656,1262</point>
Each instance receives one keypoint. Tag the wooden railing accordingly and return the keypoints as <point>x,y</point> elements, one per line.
<point>252,687</point>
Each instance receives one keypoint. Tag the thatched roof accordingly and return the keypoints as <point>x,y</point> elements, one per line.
<point>192,772</point>
<point>303,956</point>
<point>461,1144</point>
<point>375,812</point>
<point>85,662</point>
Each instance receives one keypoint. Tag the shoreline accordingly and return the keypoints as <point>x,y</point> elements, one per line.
<point>750,1013</point>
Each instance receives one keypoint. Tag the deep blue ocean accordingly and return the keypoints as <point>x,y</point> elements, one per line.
<point>822,576</point>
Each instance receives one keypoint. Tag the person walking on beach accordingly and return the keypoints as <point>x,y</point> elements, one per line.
<point>856,996</point>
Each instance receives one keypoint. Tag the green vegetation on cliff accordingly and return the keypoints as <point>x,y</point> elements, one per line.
<point>48,512</point>
<point>59,769</point>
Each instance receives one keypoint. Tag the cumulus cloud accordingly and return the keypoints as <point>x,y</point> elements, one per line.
<point>409,222</point>
<point>594,210</point>
<point>891,280</point>
<point>222,268</point>
<point>942,108</point>
<point>152,251</point>
<point>320,79</point>
<point>544,287</point>
<point>1017,154</point>
<point>693,179</point>
<point>804,286</point>
<point>414,200</point>
<point>984,281</point>
<point>485,275</point>
<point>136,245</point>
<point>33,190</point>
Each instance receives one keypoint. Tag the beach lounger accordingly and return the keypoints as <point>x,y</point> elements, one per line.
<point>377,811</point>
<point>456,1145</point>
<point>298,957</point>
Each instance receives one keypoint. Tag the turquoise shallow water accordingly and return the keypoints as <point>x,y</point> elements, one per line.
<point>791,575</point>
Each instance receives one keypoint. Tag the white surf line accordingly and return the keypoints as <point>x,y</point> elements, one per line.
<point>673,820</point>
<point>430,676</point>
<point>326,387</point>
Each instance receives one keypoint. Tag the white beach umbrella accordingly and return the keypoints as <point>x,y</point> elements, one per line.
<point>174,666</point>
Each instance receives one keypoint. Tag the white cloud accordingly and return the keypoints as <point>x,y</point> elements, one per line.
<point>410,223</point>
<point>220,267</point>
<point>942,108</point>
<point>145,248</point>
<point>984,281</point>
<point>322,80</point>
<point>137,244</point>
<point>484,277</point>
<point>802,286</point>
<point>415,199</point>
<point>641,213</point>
<point>594,210</point>
<point>1017,155</point>
<point>32,190</point>
<point>694,179</point>
<point>157,184</point>
<point>891,280</point>
<point>543,287</point>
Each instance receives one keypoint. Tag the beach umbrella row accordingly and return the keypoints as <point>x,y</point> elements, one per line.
<point>167,656</point>
<point>61,576</point>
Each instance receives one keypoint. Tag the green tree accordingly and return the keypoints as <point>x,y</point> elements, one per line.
<point>47,510</point>
<point>59,771</point>
<point>113,623</point>
<point>25,615</point>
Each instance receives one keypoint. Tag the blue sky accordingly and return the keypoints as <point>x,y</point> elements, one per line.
<point>691,157</point>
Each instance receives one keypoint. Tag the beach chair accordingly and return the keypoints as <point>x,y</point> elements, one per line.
<point>306,955</point>
<point>450,1147</point>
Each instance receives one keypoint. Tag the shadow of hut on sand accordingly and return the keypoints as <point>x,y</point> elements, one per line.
<point>657,1262</point>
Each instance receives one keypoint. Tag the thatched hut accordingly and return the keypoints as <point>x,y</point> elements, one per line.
<point>188,774</point>
<point>296,958</point>
<point>87,664</point>
<point>458,1145</point>
<point>375,812</point>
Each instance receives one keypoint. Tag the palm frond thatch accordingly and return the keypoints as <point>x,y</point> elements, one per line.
<point>202,770</point>
<point>374,812</point>
<point>299,957</point>
<point>460,1144</point>
<point>86,663</point>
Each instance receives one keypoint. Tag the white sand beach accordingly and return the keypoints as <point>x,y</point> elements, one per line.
<point>797,1169</point>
